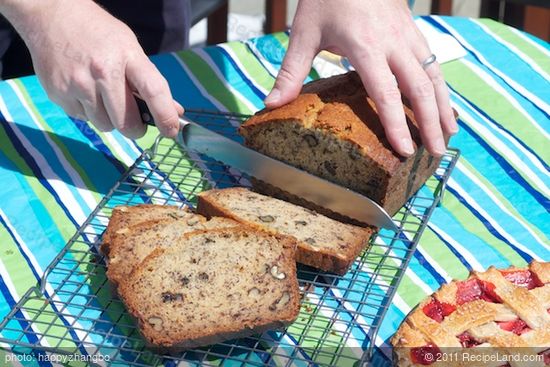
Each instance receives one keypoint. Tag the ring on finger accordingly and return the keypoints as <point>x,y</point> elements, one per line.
<point>428,61</point>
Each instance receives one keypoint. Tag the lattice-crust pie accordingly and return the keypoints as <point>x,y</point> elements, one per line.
<point>505,310</point>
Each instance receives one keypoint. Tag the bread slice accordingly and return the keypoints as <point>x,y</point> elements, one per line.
<point>214,285</point>
<point>124,216</point>
<point>323,242</point>
<point>130,245</point>
<point>333,130</point>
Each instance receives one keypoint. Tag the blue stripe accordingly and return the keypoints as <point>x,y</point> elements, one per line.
<point>444,218</point>
<point>34,167</point>
<point>37,276</point>
<point>527,104</point>
<point>219,51</point>
<point>508,169</point>
<point>489,226</point>
<point>452,249</point>
<point>479,111</point>
<point>25,325</point>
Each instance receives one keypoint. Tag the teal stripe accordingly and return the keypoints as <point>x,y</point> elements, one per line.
<point>24,123</point>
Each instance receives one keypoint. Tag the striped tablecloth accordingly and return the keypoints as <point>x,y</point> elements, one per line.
<point>54,170</point>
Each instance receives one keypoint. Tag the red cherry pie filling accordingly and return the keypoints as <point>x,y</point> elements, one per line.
<point>471,290</point>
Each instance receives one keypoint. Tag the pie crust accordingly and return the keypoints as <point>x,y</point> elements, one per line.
<point>507,311</point>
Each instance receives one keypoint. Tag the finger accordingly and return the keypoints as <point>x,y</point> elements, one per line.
<point>418,88</point>
<point>179,108</point>
<point>144,78</point>
<point>73,109</point>
<point>97,115</point>
<point>380,84</point>
<point>294,70</point>
<point>446,115</point>
<point>121,108</point>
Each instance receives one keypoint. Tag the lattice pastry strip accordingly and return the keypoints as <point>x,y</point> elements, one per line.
<point>501,309</point>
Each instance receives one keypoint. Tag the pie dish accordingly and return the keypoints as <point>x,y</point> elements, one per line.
<point>503,309</point>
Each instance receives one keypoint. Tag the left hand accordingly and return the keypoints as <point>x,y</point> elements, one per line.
<point>382,42</point>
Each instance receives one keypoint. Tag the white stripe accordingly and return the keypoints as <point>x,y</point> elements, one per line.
<point>266,64</point>
<point>57,184</point>
<point>206,58</point>
<point>13,291</point>
<point>530,41</point>
<point>496,226</point>
<point>408,273</point>
<point>467,255</point>
<point>13,357</point>
<point>236,60</point>
<point>505,151</point>
<point>499,89</point>
<point>77,182</point>
<point>503,133</point>
<point>442,272</point>
<point>199,86</point>
<point>514,49</point>
<point>49,290</point>
<point>497,202</point>
<point>341,325</point>
<point>285,350</point>
<point>119,151</point>
<point>518,87</point>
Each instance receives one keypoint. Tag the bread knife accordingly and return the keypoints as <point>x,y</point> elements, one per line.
<point>317,190</point>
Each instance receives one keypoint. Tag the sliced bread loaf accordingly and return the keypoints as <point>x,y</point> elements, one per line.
<point>332,130</point>
<point>130,245</point>
<point>323,243</point>
<point>125,216</point>
<point>214,285</point>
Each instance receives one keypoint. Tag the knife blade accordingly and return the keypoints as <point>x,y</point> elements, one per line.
<point>279,174</point>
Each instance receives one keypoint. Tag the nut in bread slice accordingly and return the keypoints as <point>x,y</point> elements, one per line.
<point>130,245</point>
<point>214,285</point>
<point>323,243</point>
<point>124,216</point>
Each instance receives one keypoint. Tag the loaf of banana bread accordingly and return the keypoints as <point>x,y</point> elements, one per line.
<point>332,130</point>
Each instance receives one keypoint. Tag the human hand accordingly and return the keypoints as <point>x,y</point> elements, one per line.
<point>90,64</point>
<point>382,42</point>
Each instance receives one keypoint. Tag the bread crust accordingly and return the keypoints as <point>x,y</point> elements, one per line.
<point>179,340</point>
<point>339,108</point>
<point>124,216</point>
<point>320,258</point>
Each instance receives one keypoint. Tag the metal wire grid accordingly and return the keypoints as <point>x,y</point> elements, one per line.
<point>73,310</point>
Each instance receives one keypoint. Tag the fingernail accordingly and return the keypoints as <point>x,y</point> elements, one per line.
<point>454,130</point>
<point>439,146</point>
<point>407,147</point>
<point>174,131</point>
<point>272,97</point>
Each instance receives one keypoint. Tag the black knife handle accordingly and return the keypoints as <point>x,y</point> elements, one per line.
<point>144,113</point>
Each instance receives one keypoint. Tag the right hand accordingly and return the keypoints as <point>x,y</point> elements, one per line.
<point>90,64</point>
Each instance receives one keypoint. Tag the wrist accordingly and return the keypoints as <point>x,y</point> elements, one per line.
<point>26,15</point>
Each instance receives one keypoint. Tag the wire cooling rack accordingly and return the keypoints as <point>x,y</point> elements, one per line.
<point>73,315</point>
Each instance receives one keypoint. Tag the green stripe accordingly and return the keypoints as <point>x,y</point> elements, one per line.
<point>217,90</point>
<point>22,278</point>
<point>505,32</point>
<point>468,167</point>
<point>251,65</point>
<point>62,223</point>
<point>56,139</point>
<point>284,40</point>
<point>312,327</point>
<point>473,225</point>
<point>472,86</point>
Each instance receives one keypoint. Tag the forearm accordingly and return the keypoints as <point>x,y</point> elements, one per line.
<point>26,16</point>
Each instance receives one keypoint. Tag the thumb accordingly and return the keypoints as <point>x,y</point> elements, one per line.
<point>294,70</point>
